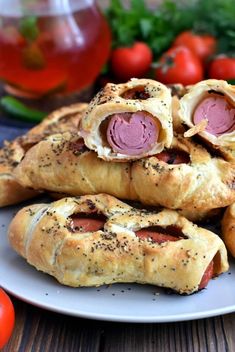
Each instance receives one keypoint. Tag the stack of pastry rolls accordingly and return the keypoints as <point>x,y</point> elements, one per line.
<point>137,143</point>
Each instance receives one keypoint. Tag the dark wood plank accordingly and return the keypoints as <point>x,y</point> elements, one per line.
<point>39,330</point>
<point>214,334</point>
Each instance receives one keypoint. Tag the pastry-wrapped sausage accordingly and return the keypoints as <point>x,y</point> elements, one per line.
<point>129,121</point>
<point>228,228</point>
<point>62,163</point>
<point>184,177</point>
<point>187,177</point>
<point>11,192</point>
<point>208,109</point>
<point>64,119</point>
<point>96,240</point>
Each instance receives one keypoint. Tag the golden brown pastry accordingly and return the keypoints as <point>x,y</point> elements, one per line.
<point>129,121</point>
<point>11,192</point>
<point>62,163</point>
<point>228,228</point>
<point>96,240</point>
<point>177,92</point>
<point>208,109</point>
<point>185,177</point>
<point>64,119</point>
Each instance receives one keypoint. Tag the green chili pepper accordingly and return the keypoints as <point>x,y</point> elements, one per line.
<point>16,108</point>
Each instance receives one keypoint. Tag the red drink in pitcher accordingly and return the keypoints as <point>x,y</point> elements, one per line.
<point>49,46</point>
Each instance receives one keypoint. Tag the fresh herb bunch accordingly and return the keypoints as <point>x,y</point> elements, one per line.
<point>159,26</point>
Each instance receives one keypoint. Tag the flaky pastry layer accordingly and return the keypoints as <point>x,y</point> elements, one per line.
<point>228,228</point>
<point>61,163</point>
<point>42,234</point>
<point>61,120</point>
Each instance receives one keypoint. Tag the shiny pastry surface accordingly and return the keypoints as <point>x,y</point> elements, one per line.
<point>185,177</point>
<point>96,240</point>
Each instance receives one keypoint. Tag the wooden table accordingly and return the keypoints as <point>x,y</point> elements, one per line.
<point>38,330</point>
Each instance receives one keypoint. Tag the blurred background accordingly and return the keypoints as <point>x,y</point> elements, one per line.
<point>56,52</point>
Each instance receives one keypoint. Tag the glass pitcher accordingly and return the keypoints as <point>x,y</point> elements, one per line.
<point>51,46</point>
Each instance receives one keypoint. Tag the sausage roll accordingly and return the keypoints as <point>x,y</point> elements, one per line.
<point>11,192</point>
<point>228,228</point>
<point>64,119</point>
<point>96,240</point>
<point>129,121</point>
<point>62,163</point>
<point>208,109</point>
<point>184,177</point>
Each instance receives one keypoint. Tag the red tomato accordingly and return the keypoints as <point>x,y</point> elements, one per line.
<point>131,62</point>
<point>7,318</point>
<point>179,65</point>
<point>222,68</point>
<point>201,45</point>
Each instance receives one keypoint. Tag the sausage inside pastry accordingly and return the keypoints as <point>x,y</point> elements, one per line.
<point>184,177</point>
<point>129,121</point>
<point>209,110</point>
<point>11,192</point>
<point>96,240</point>
<point>64,119</point>
<point>228,228</point>
<point>62,163</point>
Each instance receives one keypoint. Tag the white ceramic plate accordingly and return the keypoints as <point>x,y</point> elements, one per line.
<point>120,302</point>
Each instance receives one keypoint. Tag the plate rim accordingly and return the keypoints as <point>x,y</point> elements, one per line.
<point>125,318</point>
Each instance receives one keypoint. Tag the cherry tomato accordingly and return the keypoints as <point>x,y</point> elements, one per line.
<point>201,45</point>
<point>179,65</point>
<point>131,62</point>
<point>222,68</point>
<point>7,318</point>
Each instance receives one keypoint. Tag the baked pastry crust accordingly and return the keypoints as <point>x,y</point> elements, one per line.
<point>197,187</point>
<point>110,101</point>
<point>11,192</point>
<point>42,235</point>
<point>189,102</point>
<point>204,184</point>
<point>228,228</point>
<point>62,163</point>
<point>177,92</point>
<point>63,119</point>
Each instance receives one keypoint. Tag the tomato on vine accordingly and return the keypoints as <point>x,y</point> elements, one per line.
<point>202,45</point>
<point>179,65</point>
<point>222,67</point>
<point>129,62</point>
